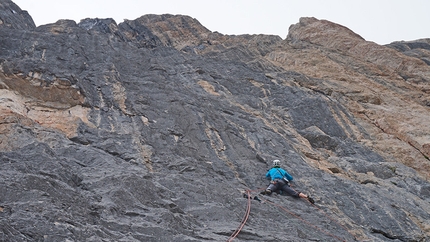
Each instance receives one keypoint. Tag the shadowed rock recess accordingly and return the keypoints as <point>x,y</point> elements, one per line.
<point>153,128</point>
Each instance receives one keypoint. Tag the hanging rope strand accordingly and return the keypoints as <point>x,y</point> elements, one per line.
<point>245,218</point>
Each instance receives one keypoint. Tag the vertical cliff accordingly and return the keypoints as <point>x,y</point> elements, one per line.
<point>152,130</point>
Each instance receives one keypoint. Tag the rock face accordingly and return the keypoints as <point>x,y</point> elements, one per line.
<point>152,129</point>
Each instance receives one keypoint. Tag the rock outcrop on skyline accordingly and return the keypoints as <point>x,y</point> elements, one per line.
<point>153,129</point>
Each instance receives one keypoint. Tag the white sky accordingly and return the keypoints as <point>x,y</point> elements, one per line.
<point>380,21</point>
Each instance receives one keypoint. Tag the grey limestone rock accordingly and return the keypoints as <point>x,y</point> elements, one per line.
<point>117,133</point>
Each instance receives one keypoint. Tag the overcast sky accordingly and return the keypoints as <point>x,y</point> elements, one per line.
<point>380,21</point>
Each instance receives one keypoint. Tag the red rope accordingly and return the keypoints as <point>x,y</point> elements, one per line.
<point>245,218</point>
<point>325,214</point>
<point>286,210</point>
<point>248,210</point>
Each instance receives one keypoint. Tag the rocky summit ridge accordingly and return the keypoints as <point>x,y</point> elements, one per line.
<point>154,129</point>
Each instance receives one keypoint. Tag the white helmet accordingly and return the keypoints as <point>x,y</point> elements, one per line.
<point>276,163</point>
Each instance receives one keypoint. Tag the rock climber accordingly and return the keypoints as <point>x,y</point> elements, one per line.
<point>280,181</point>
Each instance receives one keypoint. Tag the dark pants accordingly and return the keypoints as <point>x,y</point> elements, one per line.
<point>280,185</point>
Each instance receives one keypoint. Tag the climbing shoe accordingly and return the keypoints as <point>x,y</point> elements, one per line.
<point>311,200</point>
<point>266,192</point>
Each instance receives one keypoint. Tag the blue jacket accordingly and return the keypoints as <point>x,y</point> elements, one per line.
<point>278,173</point>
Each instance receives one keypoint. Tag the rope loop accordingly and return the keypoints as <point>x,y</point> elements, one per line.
<point>245,218</point>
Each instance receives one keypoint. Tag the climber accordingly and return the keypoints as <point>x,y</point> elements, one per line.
<point>280,181</point>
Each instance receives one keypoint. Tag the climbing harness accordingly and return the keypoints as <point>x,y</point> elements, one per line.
<point>283,177</point>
